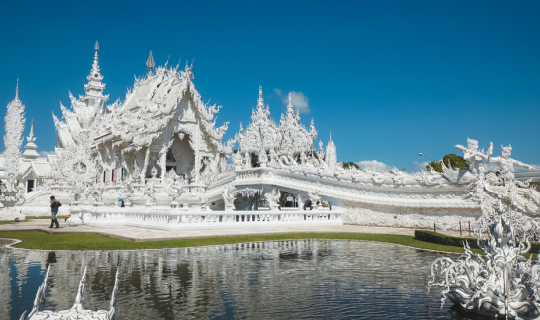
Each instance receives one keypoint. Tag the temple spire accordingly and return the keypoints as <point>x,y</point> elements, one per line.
<point>31,136</point>
<point>17,90</point>
<point>290,107</point>
<point>94,88</point>
<point>260,101</point>
<point>95,65</point>
<point>30,154</point>
<point>150,64</point>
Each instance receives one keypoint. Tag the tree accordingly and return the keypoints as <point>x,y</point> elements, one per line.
<point>350,165</point>
<point>254,160</point>
<point>455,161</point>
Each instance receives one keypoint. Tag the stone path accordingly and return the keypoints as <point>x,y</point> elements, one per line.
<point>145,234</point>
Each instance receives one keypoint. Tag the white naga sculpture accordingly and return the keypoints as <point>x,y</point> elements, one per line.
<point>77,311</point>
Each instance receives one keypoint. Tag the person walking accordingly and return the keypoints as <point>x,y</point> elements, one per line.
<point>55,204</point>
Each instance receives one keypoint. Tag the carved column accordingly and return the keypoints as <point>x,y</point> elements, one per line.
<point>163,164</point>
<point>145,166</point>
<point>197,147</point>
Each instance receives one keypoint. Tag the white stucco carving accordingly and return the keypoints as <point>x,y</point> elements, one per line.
<point>501,282</point>
<point>14,126</point>
<point>160,148</point>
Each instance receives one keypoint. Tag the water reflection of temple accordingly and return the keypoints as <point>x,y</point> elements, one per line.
<point>247,279</point>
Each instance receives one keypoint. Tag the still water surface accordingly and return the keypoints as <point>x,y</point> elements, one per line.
<point>303,279</point>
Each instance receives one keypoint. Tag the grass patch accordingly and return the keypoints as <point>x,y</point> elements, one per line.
<point>44,217</point>
<point>86,241</point>
<point>5,222</point>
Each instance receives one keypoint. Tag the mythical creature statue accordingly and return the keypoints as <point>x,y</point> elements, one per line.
<point>237,160</point>
<point>273,198</point>
<point>150,193</point>
<point>475,157</point>
<point>173,184</point>
<point>223,165</point>
<point>314,197</point>
<point>506,164</point>
<point>229,194</point>
<point>501,282</point>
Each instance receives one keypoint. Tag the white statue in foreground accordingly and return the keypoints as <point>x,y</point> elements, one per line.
<point>501,282</point>
<point>77,311</point>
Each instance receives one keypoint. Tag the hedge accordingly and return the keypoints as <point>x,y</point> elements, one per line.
<point>434,237</point>
<point>437,238</point>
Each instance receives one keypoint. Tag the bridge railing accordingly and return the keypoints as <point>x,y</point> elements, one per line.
<point>171,218</point>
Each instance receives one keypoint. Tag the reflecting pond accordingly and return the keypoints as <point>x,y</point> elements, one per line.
<point>301,279</point>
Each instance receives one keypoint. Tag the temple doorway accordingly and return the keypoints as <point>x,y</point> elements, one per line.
<point>180,156</point>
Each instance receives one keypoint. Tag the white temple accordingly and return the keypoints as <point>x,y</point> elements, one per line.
<point>160,151</point>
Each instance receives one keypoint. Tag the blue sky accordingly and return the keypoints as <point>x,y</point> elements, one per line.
<point>390,79</point>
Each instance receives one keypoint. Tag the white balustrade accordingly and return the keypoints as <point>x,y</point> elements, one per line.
<point>179,218</point>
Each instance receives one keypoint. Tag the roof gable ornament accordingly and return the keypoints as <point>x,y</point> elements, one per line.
<point>188,70</point>
<point>150,64</point>
<point>30,153</point>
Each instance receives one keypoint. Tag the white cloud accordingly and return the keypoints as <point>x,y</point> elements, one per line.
<point>419,166</point>
<point>277,91</point>
<point>520,169</point>
<point>374,165</point>
<point>299,101</point>
<point>490,166</point>
<point>46,153</point>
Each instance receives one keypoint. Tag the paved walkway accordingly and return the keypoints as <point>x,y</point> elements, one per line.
<point>146,234</point>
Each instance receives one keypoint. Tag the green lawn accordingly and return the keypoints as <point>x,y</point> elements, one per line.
<point>85,241</point>
<point>44,217</point>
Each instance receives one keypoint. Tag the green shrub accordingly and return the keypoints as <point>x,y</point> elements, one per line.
<point>437,238</point>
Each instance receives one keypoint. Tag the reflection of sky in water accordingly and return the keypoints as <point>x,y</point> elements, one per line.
<point>304,279</point>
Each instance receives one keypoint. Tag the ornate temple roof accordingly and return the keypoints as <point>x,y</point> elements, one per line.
<point>290,137</point>
<point>160,96</point>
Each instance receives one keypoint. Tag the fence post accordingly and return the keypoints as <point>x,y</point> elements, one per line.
<point>469,228</point>
<point>460,233</point>
<point>434,227</point>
